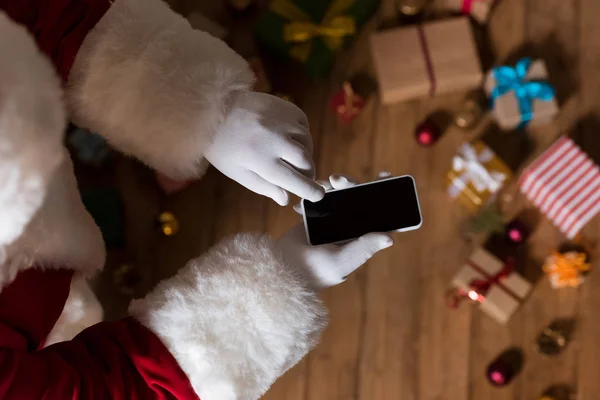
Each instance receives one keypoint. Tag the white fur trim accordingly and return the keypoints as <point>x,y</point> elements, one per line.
<point>32,123</point>
<point>81,311</point>
<point>153,86</point>
<point>61,234</point>
<point>235,319</point>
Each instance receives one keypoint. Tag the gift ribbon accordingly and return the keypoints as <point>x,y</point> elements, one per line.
<point>567,268</point>
<point>470,166</point>
<point>467,5</point>
<point>302,31</point>
<point>480,287</point>
<point>428,61</point>
<point>515,79</point>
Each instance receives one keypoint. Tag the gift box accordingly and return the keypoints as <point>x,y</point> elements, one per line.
<point>424,60</point>
<point>477,175</point>
<point>521,95</point>
<point>567,269</point>
<point>564,184</point>
<point>349,101</point>
<point>493,283</point>
<point>311,32</point>
<point>478,9</point>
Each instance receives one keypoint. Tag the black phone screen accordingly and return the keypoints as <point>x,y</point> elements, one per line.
<point>382,206</point>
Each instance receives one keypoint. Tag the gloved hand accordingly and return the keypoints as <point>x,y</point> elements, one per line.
<point>264,144</point>
<point>329,264</point>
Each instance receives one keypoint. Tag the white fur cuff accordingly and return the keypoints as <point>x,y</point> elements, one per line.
<point>235,319</point>
<point>32,123</point>
<point>153,86</point>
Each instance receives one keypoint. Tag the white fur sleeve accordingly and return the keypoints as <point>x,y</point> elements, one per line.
<point>153,86</point>
<point>235,319</point>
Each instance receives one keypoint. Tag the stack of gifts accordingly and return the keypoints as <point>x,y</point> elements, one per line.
<point>478,9</point>
<point>521,95</point>
<point>477,175</point>
<point>564,184</point>
<point>492,283</point>
<point>312,31</point>
<point>424,60</point>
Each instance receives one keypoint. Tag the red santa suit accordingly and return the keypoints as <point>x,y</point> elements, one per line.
<point>230,322</point>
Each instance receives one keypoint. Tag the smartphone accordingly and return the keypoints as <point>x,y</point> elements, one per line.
<point>382,206</point>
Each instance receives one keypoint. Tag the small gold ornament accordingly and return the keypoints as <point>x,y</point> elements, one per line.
<point>127,279</point>
<point>169,225</point>
<point>410,8</point>
<point>468,116</point>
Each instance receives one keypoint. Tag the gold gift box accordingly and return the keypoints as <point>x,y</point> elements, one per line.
<point>477,175</point>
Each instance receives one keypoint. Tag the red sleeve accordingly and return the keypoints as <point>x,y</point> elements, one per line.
<point>59,26</point>
<point>111,360</point>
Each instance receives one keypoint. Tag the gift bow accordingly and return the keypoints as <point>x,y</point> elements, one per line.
<point>471,165</point>
<point>478,288</point>
<point>567,268</point>
<point>301,30</point>
<point>515,79</point>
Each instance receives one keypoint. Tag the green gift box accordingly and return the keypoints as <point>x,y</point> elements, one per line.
<point>312,31</point>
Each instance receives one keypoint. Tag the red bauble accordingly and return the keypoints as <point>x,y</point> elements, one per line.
<point>517,231</point>
<point>427,133</point>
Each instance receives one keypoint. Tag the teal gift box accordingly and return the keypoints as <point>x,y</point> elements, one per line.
<point>311,31</point>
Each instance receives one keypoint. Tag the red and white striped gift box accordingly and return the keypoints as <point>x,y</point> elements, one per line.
<point>564,183</point>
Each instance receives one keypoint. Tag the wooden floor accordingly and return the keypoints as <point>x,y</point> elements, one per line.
<point>391,335</point>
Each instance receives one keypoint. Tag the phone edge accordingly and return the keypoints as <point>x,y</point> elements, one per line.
<point>412,228</point>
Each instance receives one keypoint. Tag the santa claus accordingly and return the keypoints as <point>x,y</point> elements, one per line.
<point>231,321</point>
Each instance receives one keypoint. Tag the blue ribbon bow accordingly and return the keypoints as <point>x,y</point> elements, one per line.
<point>514,78</point>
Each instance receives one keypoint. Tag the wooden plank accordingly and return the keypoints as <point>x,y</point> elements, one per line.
<point>333,366</point>
<point>588,327</point>
<point>293,385</point>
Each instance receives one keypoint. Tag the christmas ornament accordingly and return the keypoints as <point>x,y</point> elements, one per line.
<point>127,279</point>
<point>427,133</point>
<point>469,114</point>
<point>559,392</point>
<point>169,225</point>
<point>241,5</point>
<point>551,341</point>
<point>503,369</point>
<point>517,231</point>
<point>411,8</point>
<point>567,269</point>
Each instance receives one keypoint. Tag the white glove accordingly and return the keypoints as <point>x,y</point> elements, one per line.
<point>329,264</point>
<point>264,144</point>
